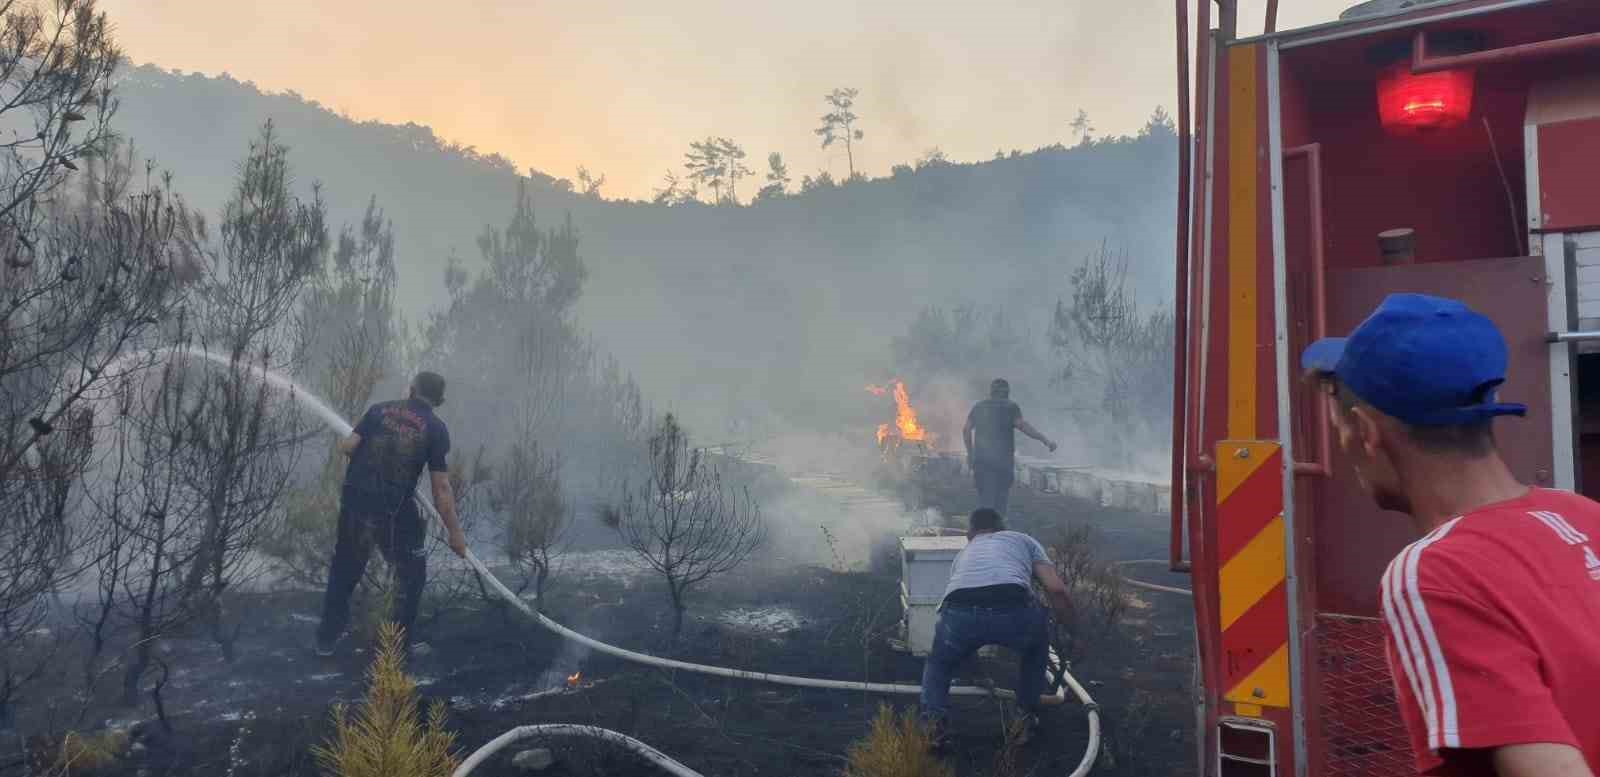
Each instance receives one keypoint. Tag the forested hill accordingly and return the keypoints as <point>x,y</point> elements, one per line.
<point>790,299</point>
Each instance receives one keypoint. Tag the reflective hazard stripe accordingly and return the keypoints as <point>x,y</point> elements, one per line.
<point>1252,594</point>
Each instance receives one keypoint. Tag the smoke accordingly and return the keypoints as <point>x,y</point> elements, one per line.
<point>831,515</point>
<point>771,315</point>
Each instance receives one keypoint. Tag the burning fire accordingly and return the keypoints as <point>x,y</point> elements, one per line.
<point>905,425</point>
<point>572,679</point>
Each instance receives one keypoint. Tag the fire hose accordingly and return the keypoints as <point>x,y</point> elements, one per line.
<point>1063,679</point>
<point>649,753</point>
<point>1166,589</point>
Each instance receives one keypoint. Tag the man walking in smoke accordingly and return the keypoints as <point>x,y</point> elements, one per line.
<point>991,444</point>
<point>388,450</point>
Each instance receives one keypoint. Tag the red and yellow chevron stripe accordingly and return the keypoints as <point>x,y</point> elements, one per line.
<point>1250,582</point>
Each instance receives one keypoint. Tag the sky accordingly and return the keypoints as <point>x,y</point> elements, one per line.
<point>623,86</point>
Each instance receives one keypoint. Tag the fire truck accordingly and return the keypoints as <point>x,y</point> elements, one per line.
<point>1449,147</point>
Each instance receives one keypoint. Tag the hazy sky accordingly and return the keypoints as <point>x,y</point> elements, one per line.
<point>623,86</point>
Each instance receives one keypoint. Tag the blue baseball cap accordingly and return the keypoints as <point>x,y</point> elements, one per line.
<point>1427,361</point>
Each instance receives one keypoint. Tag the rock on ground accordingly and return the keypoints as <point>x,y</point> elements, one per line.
<point>535,760</point>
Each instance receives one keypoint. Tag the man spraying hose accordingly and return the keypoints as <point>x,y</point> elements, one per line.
<point>388,450</point>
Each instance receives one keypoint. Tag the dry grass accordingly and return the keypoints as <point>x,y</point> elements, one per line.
<point>81,753</point>
<point>386,737</point>
<point>1099,597</point>
<point>897,746</point>
<point>1013,727</point>
<point>1126,737</point>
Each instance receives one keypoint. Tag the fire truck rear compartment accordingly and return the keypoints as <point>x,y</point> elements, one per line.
<point>1485,202</point>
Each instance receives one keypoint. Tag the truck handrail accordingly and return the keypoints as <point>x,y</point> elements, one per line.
<point>1180,318</point>
<point>1323,466</point>
<point>1421,62</point>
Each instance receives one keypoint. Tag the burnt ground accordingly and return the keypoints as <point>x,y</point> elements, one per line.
<point>261,714</point>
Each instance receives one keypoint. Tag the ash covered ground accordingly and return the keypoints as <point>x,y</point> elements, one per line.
<point>786,613</point>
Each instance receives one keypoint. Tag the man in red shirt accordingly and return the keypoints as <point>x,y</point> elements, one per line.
<point>1493,616</point>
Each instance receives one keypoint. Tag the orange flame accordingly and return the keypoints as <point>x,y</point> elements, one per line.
<point>905,418</point>
<point>905,426</point>
<point>572,679</point>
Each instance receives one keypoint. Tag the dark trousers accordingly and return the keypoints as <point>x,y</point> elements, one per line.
<point>994,485</point>
<point>396,529</point>
<point>963,629</point>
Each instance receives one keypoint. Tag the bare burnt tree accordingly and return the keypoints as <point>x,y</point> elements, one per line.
<point>527,494</point>
<point>682,521</point>
<point>472,479</point>
<point>1114,359</point>
<point>102,270</point>
<point>151,523</point>
<point>240,450</point>
<point>350,307</point>
<point>35,546</point>
<point>1099,598</point>
<point>56,62</point>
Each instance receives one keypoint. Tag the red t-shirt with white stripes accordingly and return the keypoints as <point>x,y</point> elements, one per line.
<point>1493,624</point>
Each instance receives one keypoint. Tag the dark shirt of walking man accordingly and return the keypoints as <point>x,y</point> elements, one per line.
<point>388,450</point>
<point>991,445</point>
<point>1492,617</point>
<point>989,601</point>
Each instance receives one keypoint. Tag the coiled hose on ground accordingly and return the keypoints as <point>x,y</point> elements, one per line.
<point>1067,680</point>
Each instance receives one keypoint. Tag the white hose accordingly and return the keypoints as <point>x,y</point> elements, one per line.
<point>1087,763</point>
<point>343,427</point>
<point>1166,589</point>
<point>718,671</point>
<point>499,743</point>
<point>1091,750</point>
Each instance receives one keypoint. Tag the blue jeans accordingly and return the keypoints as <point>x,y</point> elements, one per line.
<point>963,629</point>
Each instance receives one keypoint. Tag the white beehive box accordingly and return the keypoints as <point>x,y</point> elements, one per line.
<point>924,573</point>
<point>925,567</point>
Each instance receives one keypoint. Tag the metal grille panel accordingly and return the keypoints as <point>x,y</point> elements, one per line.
<point>1361,727</point>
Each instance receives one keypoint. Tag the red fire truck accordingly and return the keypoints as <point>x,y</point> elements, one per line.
<point>1449,147</point>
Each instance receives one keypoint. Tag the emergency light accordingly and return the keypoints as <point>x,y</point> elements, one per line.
<point>1411,102</point>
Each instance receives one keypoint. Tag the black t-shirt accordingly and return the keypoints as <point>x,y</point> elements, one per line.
<point>398,439</point>
<point>993,439</point>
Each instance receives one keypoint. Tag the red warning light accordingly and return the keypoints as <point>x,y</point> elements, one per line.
<point>1410,102</point>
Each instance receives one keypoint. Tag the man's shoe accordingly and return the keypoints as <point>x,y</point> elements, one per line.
<point>937,738</point>
<point>325,648</point>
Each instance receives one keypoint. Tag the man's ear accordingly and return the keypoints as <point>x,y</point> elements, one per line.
<point>1369,432</point>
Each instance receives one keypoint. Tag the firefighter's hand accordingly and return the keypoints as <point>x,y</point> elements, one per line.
<point>1051,444</point>
<point>458,542</point>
